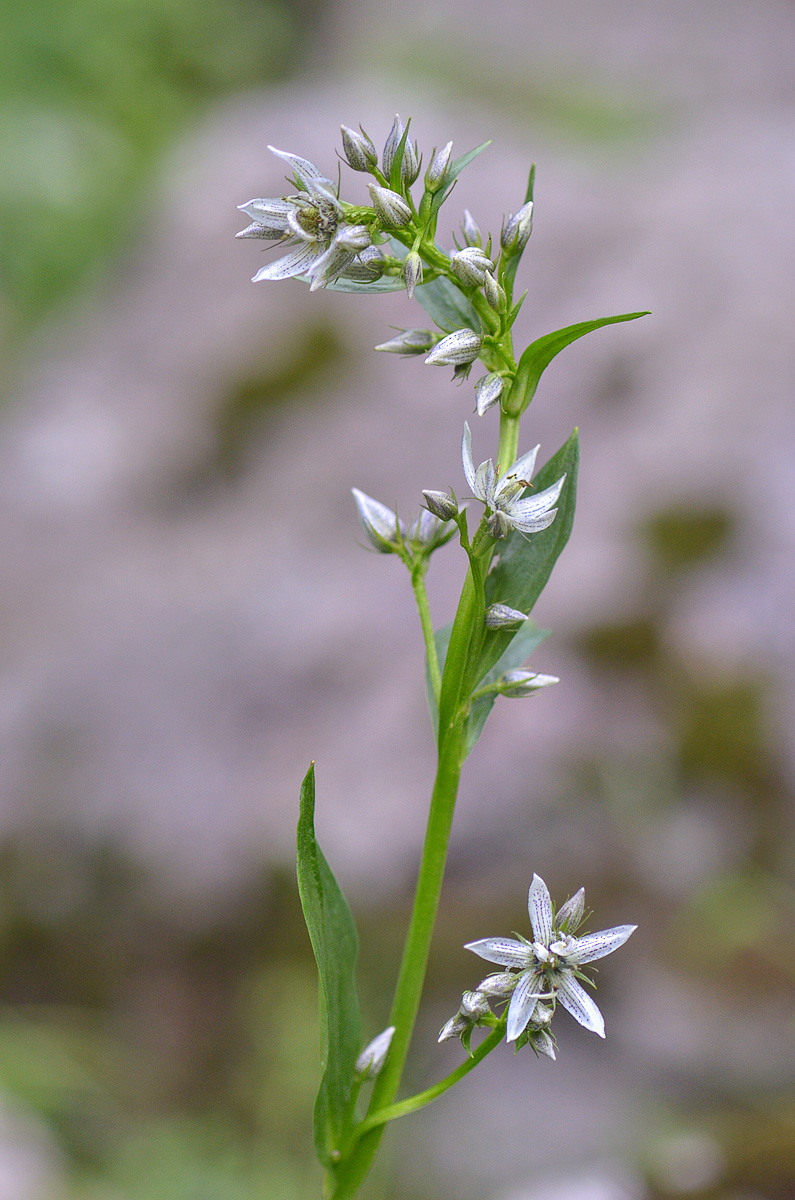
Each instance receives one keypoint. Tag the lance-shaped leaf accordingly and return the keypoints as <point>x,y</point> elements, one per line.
<point>539,354</point>
<point>388,283</point>
<point>335,944</point>
<point>520,645</point>
<point>512,263</point>
<point>454,170</point>
<point>442,300</point>
<point>525,563</point>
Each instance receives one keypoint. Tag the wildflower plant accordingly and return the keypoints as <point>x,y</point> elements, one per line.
<point>512,535</point>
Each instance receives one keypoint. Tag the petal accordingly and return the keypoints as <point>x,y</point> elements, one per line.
<point>597,945</point>
<point>304,170</point>
<point>539,906</point>
<point>533,524</point>
<point>534,506</point>
<point>577,1001</point>
<point>521,469</point>
<point>294,263</point>
<point>271,213</point>
<point>523,1001</point>
<point>504,951</point>
<point>466,456</point>
<point>328,266</point>
<point>484,482</point>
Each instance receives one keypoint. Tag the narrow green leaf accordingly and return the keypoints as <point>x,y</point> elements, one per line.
<point>442,639</point>
<point>442,300</point>
<point>335,945</point>
<point>519,648</point>
<point>456,167</point>
<point>539,354</point>
<point>531,179</point>
<point>462,162</point>
<point>447,306</point>
<point>387,283</point>
<point>395,181</point>
<point>512,263</point>
<point>525,563</point>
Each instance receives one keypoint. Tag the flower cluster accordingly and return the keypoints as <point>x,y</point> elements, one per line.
<point>538,974</point>
<point>389,535</point>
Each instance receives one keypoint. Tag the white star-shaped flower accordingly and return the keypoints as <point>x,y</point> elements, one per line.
<point>502,494</point>
<point>311,222</point>
<point>548,965</point>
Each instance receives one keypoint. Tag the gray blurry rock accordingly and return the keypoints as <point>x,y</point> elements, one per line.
<point>171,667</point>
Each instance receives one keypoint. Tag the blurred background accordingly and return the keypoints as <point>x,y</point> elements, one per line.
<point>188,618</point>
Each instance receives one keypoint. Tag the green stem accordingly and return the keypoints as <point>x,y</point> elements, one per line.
<point>421,596</point>
<point>414,1103</point>
<point>351,1172</point>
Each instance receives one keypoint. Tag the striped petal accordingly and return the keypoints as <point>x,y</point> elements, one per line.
<point>503,951</point>
<point>539,906</point>
<point>597,945</point>
<point>533,524</point>
<point>294,263</point>
<point>272,214</point>
<point>533,506</point>
<point>304,170</point>
<point>523,1001</point>
<point>521,469</point>
<point>466,457</point>
<point>577,1001</point>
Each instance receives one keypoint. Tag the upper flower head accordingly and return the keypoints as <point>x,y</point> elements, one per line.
<point>311,222</point>
<point>549,964</point>
<point>502,494</point>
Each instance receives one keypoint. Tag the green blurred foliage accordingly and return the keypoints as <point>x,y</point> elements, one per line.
<point>91,92</point>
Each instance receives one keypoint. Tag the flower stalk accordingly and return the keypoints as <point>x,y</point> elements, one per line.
<point>328,243</point>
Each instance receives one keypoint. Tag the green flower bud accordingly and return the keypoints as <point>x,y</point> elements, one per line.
<point>359,151</point>
<point>390,208</point>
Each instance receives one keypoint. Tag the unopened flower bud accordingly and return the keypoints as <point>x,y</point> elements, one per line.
<point>475,1005</point>
<point>437,171</point>
<point>570,914</point>
<point>517,230</point>
<point>390,208</point>
<point>409,164</point>
<point>499,986</point>
<point>368,266</point>
<point>383,528</point>
<point>455,1027</point>
<point>392,143</point>
<point>501,616</point>
<point>441,504</point>
<point>470,230</point>
<point>457,349</point>
<point>412,272</point>
<point>495,293</point>
<point>470,265</point>
<point>487,392</point>
<point>409,341</point>
<point>515,684</point>
<point>371,1060</point>
<point>359,151</point>
<point>353,237</point>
